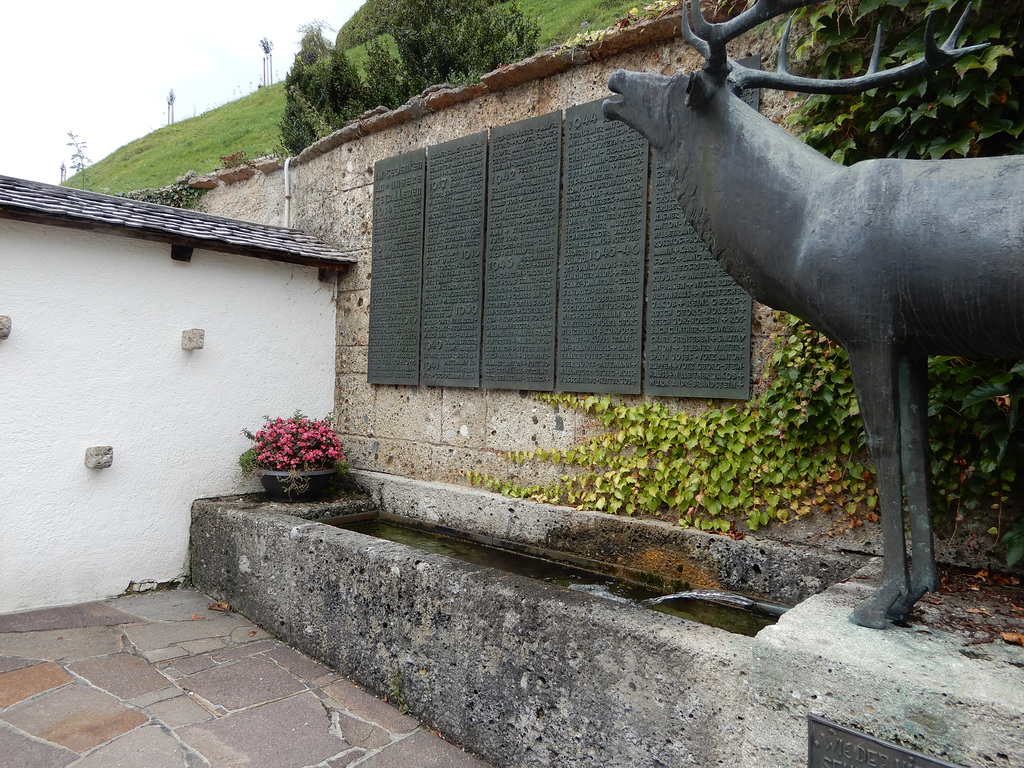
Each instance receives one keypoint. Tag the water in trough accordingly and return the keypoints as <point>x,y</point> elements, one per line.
<point>726,610</point>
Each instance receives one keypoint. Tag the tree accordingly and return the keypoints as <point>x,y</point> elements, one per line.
<point>438,41</point>
<point>79,162</point>
<point>454,41</point>
<point>323,91</point>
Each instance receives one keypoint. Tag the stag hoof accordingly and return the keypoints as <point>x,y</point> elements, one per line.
<point>869,616</point>
<point>900,610</point>
<point>875,612</point>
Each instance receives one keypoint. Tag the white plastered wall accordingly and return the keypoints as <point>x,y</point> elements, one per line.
<point>95,358</point>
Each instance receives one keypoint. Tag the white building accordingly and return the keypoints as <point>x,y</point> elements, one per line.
<point>98,300</point>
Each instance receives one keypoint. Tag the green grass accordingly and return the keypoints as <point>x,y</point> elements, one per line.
<point>561,19</point>
<point>251,124</point>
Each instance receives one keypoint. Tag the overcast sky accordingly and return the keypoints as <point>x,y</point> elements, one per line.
<point>103,69</point>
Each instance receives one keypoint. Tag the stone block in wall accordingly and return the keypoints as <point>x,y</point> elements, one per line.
<point>268,164</point>
<point>544,64</point>
<point>642,34</point>
<point>394,457</point>
<point>343,135</point>
<point>407,413</point>
<point>444,97</point>
<point>354,207</point>
<point>413,109</point>
<point>463,418</point>
<point>202,182</point>
<point>357,276</point>
<point>518,423</point>
<point>451,463</point>
<point>352,360</point>
<point>231,175</point>
<point>353,404</point>
<point>353,318</point>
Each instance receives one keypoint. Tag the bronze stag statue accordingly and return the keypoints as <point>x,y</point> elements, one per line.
<point>893,259</point>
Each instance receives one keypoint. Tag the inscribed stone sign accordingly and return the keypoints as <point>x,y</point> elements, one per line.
<point>397,269</point>
<point>698,318</point>
<point>453,261</point>
<point>601,266</point>
<point>522,254</point>
<point>833,746</point>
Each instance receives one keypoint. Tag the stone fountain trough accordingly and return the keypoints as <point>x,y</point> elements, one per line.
<point>528,674</point>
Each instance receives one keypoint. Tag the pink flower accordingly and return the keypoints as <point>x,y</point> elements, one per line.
<point>297,443</point>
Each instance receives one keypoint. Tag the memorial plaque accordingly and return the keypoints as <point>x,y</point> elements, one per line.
<point>833,746</point>
<point>752,97</point>
<point>453,261</point>
<point>522,254</point>
<point>601,264</point>
<point>397,269</point>
<point>698,318</point>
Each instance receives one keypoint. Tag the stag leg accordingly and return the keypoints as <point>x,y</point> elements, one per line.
<point>876,381</point>
<point>914,429</point>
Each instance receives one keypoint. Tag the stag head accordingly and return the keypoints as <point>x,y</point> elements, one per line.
<point>720,72</point>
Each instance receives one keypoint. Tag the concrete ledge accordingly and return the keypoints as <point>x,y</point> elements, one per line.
<point>523,673</point>
<point>924,689</point>
<point>528,675</point>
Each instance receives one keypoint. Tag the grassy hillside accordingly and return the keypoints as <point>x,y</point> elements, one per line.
<point>250,124</point>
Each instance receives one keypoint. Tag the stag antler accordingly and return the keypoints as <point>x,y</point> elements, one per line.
<point>710,41</point>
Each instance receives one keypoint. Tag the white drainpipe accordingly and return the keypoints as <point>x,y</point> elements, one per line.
<point>287,194</point>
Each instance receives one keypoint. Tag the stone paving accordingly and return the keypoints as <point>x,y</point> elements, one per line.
<point>160,680</point>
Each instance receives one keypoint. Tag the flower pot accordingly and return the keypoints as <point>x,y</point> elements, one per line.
<point>296,485</point>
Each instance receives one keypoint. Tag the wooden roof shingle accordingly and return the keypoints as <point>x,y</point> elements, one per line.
<point>33,201</point>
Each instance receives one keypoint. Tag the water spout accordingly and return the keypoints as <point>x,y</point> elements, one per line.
<point>723,598</point>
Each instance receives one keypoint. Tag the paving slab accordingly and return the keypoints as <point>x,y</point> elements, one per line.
<point>240,652</point>
<point>303,668</point>
<point>75,716</point>
<point>346,759</point>
<point>20,750</point>
<point>360,733</point>
<point>62,644</point>
<point>160,694</point>
<point>245,683</point>
<point>10,663</point>
<point>186,666</point>
<point>123,675</point>
<point>26,682</point>
<point>178,711</point>
<point>147,747</point>
<point>154,636</point>
<point>292,733</point>
<point>65,617</point>
<point>422,750</point>
<point>172,605</point>
<point>367,707</point>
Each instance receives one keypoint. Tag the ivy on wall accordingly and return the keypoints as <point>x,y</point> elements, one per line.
<point>800,446</point>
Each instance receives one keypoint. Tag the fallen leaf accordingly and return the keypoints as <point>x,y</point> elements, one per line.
<point>980,611</point>
<point>219,606</point>
<point>1013,637</point>
<point>253,633</point>
<point>196,617</point>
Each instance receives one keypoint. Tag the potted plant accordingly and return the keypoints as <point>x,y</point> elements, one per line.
<point>295,458</point>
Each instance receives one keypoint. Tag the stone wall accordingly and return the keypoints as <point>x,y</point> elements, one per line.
<point>441,433</point>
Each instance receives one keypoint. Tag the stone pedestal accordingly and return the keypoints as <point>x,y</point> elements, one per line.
<point>927,690</point>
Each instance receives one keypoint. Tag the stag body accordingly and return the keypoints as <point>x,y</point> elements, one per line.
<point>893,259</point>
